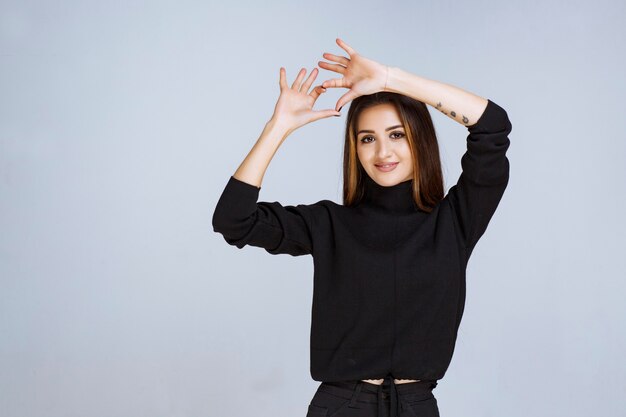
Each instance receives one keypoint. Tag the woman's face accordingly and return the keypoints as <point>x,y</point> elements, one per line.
<point>381,140</point>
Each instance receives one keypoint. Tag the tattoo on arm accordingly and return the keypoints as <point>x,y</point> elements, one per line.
<point>452,113</point>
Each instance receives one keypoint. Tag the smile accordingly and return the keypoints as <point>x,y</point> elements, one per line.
<point>386,167</point>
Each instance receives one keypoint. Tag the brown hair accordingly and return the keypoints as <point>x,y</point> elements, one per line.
<point>420,131</point>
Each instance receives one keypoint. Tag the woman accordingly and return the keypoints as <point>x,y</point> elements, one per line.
<point>389,281</point>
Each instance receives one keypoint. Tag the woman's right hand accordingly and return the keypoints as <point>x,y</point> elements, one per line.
<point>295,106</point>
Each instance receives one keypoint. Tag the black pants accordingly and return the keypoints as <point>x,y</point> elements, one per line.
<point>362,399</point>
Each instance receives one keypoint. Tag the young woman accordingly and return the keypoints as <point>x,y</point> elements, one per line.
<point>390,262</point>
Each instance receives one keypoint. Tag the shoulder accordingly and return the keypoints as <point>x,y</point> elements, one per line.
<point>322,206</point>
<point>322,209</point>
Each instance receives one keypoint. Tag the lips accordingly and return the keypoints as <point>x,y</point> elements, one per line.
<point>386,167</point>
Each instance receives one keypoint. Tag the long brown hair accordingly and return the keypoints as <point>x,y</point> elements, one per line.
<point>422,138</point>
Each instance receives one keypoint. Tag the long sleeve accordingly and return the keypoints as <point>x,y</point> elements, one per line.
<point>243,220</point>
<point>485,174</point>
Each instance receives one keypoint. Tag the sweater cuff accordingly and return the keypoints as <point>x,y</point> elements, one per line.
<point>240,185</point>
<point>239,199</point>
<point>493,119</point>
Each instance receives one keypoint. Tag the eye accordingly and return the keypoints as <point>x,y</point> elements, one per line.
<point>400,136</point>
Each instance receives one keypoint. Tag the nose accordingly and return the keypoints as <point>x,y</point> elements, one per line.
<point>383,150</point>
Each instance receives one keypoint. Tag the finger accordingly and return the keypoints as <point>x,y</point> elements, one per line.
<point>298,80</point>
<point>321,114</point>
<point>346,47</point>
<point>282,82</point>
<point>340,59</point>
<point>317,91</point>
<point>346,98</point>
<point>333,83</point>
<point>307,84</point>
<point>332,67</point>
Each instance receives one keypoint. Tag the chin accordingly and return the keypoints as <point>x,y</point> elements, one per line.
<point>389,178</point>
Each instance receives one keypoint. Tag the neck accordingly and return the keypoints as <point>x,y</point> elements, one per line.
<point>396,198</point>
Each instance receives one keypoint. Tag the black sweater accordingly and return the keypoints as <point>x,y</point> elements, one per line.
<point>389,279</point>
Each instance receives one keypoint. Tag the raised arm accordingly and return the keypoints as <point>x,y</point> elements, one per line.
<point>243,220</point>
<point>362,76</point>
<point>485,168</point>
<point>252,169</point>
<point>479,189</point>
<point>460,105</point>
<point>485,174</point>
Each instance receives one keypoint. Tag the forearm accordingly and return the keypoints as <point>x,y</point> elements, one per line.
<point>460,105</point>
<point>253,167</point>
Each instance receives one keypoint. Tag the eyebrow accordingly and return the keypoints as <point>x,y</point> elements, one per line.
<point>371,131</point>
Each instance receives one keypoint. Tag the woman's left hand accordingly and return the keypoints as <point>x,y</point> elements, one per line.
<point>361,75</point>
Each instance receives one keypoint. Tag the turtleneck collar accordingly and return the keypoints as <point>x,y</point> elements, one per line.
<point>396,198</point>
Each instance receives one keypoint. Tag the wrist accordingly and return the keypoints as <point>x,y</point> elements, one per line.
<point>412,85</point>
<point>394,80</point>
<point>277,128</point>
<point>386,78</point>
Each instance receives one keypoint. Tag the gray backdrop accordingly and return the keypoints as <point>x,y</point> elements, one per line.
<point>121,122</point>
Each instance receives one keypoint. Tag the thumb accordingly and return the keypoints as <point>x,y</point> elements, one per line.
<point>346,98</point>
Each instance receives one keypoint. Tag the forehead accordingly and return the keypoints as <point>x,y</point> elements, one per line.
<point>378,117</point>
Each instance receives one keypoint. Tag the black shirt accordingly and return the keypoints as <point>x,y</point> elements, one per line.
<point>389,279</point>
